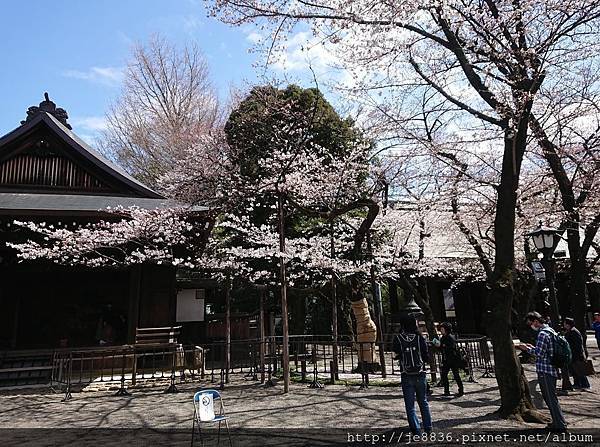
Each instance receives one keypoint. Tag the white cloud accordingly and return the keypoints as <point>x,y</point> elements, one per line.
<point>191,23</point>
<point>254,37</point>
<point>110,76</point>
<point>301,52</point>
<point>91,124</point>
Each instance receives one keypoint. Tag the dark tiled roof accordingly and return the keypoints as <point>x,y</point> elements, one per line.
<point>12,203</point>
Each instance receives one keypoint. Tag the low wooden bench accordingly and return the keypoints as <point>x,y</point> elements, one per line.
<point>156,336</point>
<point>155,339</point>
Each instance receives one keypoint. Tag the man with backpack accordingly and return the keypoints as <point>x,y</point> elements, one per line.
<point>548,350</point>
<point>411,352</point>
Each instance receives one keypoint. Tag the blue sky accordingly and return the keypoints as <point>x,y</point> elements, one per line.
<point>75,50</point>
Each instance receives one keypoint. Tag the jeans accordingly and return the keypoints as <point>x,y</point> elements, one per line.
<point>455,372</point>
<point>548,389</point>
<point>415,385</point>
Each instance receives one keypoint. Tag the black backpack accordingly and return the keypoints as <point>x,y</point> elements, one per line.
<point>561,351</point>
<point>409,358</point>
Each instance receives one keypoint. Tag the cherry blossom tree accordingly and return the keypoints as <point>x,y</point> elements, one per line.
<point>129,236</point>
<point>488,59</point>
<point>566,129</point>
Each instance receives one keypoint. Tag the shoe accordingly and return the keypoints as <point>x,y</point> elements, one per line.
<point>562,393</point>
<point>460,393</point>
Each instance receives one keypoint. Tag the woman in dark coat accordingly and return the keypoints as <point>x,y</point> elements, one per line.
<point>450,360</point>
<point>575,340</point>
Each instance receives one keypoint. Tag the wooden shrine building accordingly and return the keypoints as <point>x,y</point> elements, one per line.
<point>47,173</point>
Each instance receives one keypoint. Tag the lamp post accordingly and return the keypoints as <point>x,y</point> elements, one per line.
<point>411,309</point>
<point>545,240</point>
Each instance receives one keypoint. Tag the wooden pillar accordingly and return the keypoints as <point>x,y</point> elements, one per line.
<point>284,308</point>
<point>227,329</point>
<point>334,322</point>
<point>334,307</point>
<point>261,322</point>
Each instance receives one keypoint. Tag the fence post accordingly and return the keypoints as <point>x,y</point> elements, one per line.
<point>269,381</point>
<point>261,320</point>
<point>69,372</point>
<point>134,368</point>
<point>363,371</point>
<point>303,370</point>
<point>485,352</point>
<point>315,383</point>
<point>172,388</point>
<point>331,372</point>
<point>122,391</point>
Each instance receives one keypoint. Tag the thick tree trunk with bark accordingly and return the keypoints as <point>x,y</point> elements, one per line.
<point>514,391</point>
<point>366,332</point>
<point>578,276</point>
<point>570,203</point>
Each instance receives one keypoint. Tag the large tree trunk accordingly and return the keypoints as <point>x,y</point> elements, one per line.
<point>577,254</point>
<point>514,391</point>
<point>578,275</point>
<point>366,332</point>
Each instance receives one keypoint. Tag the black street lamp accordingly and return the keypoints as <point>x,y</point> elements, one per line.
<point>545,240</point>
<point>411,308</point>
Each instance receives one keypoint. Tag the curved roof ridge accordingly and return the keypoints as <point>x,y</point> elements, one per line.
<point>102,160</point>
<point>85,150</point>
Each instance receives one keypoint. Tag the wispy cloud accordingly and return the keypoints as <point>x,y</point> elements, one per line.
<point>92,124</point>
<point>191,23</point>
<point>110,76</point>
<point>255,37</point>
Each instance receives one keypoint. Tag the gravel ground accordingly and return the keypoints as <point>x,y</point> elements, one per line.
<point>333,415</point>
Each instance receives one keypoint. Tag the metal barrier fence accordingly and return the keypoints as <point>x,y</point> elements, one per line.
<point>311,358</point>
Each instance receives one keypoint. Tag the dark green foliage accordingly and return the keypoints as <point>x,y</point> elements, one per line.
<point>252,128</point>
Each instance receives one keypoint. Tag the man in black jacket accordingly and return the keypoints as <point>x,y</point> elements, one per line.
<point>575,340</point>
<point>450,359</point>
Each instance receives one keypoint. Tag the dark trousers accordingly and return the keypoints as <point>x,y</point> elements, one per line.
<point>548,389</point>
<point>578,381</point>
<point>445,370</point>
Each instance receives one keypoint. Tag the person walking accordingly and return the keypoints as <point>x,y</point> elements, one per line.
<point>411,352</point>
<point>596,326</point>
<point>450,359</point>
<point>546,372</point>
<point>575,339</point>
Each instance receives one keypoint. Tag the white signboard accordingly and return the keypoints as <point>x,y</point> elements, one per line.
<point>449,303</point>
<point>206,408</point>
<point>190,305</point>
